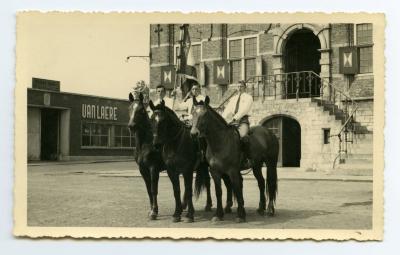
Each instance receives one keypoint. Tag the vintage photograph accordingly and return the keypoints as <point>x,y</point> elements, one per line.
<point>225,126</point>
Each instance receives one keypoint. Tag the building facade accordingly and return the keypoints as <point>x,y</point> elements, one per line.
<point>309,81</point>
<point>69,126</point>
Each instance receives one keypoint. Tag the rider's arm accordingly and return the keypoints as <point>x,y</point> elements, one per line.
<point>244,108</point>
<point>228,111</point>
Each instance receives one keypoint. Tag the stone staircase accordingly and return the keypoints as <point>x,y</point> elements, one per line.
<point>358,160</point>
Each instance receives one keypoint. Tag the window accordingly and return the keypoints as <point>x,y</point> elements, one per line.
<point>250,47</point>
<point>106,135</point>
<point>364,43</point>
<point>242,56</point>
<point>95,135</point>
<point>122,137</point>
<point>236,71</point>
<point>250,68</point>
<point>235,48</point>
<point>327,134</point>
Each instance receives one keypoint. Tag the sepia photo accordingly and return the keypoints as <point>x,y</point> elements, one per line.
<point>224,126</point>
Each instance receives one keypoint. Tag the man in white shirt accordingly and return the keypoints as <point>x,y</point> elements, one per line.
<point>187,103</point>
<point>161,95</point>
<point>237,112</point>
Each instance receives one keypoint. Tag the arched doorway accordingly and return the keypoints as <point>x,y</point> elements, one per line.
<point>288,131</point>
<point>301,53</point>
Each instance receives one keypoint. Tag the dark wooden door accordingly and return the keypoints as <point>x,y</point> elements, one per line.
<point>49,134</point>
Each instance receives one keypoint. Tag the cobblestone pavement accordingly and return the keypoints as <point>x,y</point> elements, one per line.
<point>114,195</point>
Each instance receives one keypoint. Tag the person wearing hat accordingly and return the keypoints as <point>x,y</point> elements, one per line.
<point>141,87</point>
<point>237,111</point>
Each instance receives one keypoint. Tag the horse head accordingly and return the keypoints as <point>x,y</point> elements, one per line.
<point>137,112</point>
<point>199,111</point>
<point>159,119</point>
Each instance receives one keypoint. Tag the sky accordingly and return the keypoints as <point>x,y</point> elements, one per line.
<point>86,53</point>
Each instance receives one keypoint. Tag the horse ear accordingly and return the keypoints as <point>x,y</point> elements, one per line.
<point>162,103</point>
<point>151,104</point>
<point>141,97</point>
<point>131,97</point>
<point>207,100</point>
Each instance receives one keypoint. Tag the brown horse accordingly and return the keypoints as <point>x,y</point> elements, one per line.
<point>224,155</point>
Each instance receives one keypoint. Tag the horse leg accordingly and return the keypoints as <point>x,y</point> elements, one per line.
<point>155,174</point>
<point>228,185</point>
<point>147,180</point>
<point>272,186</point>
<point>237,184</point>
<point>261,186</point>
<point>174,177</point>
<point>188,180</point>
<point>219,214</point>
<point>184,201</point>
<point>208,188</point>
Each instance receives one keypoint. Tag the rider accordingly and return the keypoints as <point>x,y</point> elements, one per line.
<point>236,112</point>
<point>187,103</point>
<point>141,87</point>
<point>161,95</point>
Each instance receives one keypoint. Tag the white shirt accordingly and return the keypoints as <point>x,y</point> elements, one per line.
<point>169,102</point>
<point>187,106</point>
<point>246,102</point>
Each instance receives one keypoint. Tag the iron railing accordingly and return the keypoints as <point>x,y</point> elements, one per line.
<point>308,84</point>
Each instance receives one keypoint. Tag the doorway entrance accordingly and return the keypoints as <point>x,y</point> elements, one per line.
<point>288,132</point>
<point>49,144</point>
<point>301,53</point>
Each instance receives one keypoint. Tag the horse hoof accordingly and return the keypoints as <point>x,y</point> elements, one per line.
<point>207,208</point>
<point>271,212</point>
<point>261,212</point>
<point>228,210</point>
<point>216,219</point>
<point>176,219</point>
<point>189,220</point>
<point>240,220</point>
<point>153,216</point>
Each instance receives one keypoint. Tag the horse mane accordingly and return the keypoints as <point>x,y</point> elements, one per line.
<point>171,113</point>
<point>218,116</point>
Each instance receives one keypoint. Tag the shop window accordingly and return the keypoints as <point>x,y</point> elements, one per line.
<point>107,136</point>
<point>364,43</point>
<point>123,137</point>
<point>95,135</point>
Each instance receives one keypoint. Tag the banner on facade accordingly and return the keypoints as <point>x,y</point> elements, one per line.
<point>168,76</point>
<point>348,60</point>
<point>221,72</point>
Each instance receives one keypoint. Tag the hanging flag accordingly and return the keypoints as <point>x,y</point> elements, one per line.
<point>168,76</point>
<point>189,70</point>
<point>348,60</point>
<point>221,72</point>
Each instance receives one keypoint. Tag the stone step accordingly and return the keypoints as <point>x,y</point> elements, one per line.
<point>358,161</point>
<point>359,156</point>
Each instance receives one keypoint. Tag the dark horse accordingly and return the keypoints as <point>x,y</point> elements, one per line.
<point>224,155</point>
<point>181,156</point>
<point>148,158</point>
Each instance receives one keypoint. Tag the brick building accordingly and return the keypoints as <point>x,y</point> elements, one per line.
<point>310,82</point>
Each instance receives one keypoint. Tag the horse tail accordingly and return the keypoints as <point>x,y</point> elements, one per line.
<point>272,181</point>
<point>272,175</point>
<point>202,178</point>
